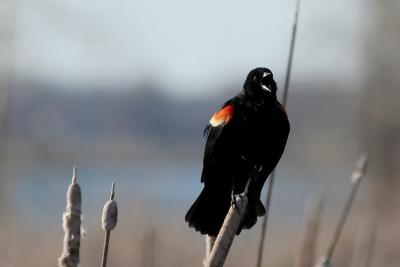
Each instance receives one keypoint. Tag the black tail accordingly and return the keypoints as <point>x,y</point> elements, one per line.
<point>208,212</point>
<point>255,209</point>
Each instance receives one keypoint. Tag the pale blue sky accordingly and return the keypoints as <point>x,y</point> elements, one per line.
<point>190,47</point>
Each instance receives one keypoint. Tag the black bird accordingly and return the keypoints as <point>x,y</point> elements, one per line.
<point>245,138</point>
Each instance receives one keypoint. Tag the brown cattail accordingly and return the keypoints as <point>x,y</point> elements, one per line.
<point>110,212</point>
<point>108,222</point>
<point>72,226</point>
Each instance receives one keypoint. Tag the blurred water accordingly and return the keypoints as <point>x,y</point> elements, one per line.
<point>38,192</point>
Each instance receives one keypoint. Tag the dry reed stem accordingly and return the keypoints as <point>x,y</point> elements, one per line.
<point>228,231</point>
<point>309,239</point>
<point>284,102</point>
<point>291,52</point>
<point>355,180</point>
<point>109,221</point>
<point>364,246</point>
<point>72,226</point>
<point>210,240</point>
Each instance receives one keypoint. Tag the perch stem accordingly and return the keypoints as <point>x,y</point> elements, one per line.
<point>217,248</point>
<point>227,233</point>
<point>210,240</point>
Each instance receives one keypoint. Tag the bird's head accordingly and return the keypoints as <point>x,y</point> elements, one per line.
<point>260,82</point>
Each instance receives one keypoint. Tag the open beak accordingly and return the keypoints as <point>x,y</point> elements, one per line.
<point>263,86</point>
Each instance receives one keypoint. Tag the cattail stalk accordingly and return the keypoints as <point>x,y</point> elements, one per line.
<point>210,241</point>
<point>109,221</point>
<point>355,180</point>
<point>229,228</point>
<point>308,243</point>
<point>284,102</point>
<point>227,233</point>
<point>72,226</point>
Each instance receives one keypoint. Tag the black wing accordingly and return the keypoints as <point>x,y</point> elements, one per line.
<point>213,131</point>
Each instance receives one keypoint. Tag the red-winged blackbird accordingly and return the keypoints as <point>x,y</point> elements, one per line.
<point>245,138</point>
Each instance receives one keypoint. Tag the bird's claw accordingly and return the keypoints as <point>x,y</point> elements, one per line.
<point>234,200</point>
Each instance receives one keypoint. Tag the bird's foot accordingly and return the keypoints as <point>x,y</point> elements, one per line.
<point>235,199</point>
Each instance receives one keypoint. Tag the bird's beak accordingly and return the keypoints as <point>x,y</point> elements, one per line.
<point>266,88</point>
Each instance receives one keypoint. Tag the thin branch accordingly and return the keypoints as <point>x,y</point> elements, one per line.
<point>355,180</point>
<point>284,101</point>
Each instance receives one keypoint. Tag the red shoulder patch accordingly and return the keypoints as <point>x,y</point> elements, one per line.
<point>222,116</point>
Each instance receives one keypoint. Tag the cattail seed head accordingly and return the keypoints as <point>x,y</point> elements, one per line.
<point>74,197</point>
<point>108,222</point>
<point>110,215</point>
<point>110,212</point>
<point>72,226</point>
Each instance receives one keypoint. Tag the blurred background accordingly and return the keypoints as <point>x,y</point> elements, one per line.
<point>123,90</point>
